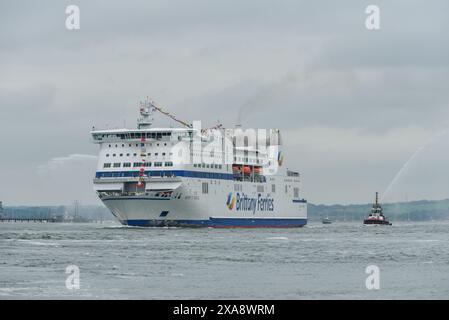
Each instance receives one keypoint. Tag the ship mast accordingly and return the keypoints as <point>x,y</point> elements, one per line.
<point>146,114</point>
<point>377,209</point>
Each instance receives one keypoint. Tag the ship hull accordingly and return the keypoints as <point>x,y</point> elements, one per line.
<point>377,222</point>
<point>212,210</point>
<point>220,223</point>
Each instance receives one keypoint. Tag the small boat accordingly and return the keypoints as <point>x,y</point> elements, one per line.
<point>326,220</point>
<point>376,217</point>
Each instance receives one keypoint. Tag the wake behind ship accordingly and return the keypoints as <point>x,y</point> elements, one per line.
<point>193,177</point>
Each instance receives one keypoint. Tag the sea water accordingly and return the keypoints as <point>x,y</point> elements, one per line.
<point>315,262</point>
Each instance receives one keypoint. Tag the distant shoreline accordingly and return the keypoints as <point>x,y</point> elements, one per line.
<point>423,210</point>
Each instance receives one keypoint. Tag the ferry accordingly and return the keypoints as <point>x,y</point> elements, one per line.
<point>191,176</point>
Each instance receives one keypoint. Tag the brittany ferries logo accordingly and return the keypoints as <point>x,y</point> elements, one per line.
<point>242,202</point>
<point>231,201</point>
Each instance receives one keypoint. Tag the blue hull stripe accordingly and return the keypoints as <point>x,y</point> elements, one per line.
<point>221,223</point>
<point>133,198</point>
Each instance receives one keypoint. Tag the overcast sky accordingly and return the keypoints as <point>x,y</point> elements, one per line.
<point>354,105</point>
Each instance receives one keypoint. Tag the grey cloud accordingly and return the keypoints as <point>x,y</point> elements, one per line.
<point>295,65</point>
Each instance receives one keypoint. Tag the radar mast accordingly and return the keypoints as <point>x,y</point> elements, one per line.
<point>146,114</point>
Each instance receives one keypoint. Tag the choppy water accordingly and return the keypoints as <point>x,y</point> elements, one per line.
<point>318,261</point>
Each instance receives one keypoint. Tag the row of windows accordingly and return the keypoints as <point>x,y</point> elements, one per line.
<point>247,160</point>
<point>135,154</point>
<point>238,187</point>
<point>141,144</point>
<point>204,165</point>
<point>138,135</point>
<point>137,164</point>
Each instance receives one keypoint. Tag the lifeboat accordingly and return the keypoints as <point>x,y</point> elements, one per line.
<point>246,170</point>
<point>257,170</point>
<point>236,169</point>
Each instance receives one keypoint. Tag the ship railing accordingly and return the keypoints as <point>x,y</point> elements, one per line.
<point>165,178</point>
<point>160,194</point>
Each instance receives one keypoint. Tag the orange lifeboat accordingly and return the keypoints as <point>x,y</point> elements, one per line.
<point>246,170</point>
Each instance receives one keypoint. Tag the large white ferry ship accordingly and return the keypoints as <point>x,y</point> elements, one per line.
<point>189,176</point>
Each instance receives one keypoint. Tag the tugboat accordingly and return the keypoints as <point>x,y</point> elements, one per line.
<point>376,216</point>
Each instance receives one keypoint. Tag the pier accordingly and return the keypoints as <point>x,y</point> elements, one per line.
<point>27,220</point>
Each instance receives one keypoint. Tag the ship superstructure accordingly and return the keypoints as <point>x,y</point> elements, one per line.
<point>189,176</point>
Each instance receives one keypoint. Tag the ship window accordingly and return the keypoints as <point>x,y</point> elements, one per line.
<point>107,155</point>
<point>165,144</point>
<point>219,166</point>
<point>286,189</point>
<point>205,187</point>
<point>203,165</point>
<point>106,165</point>
<point>127,154</point>
<point>273,188</point>
<point>149,154</point>
<point>158,164</point>
<point>123,145</point>
<point>137,164</point>
<point>156,154</point>
<point>113,155</point>
<point>117,165</point>
<point>109,146</point>
<point>163,153</point>
<point>296,192</point>
<point>121,154</point>
<point>126,164</point>
<point>135,154</point>
<point>207,166</point>
<point>260,189</point>
<point>237,187</point>
<point>169,164</point>
<point>147,164</point>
